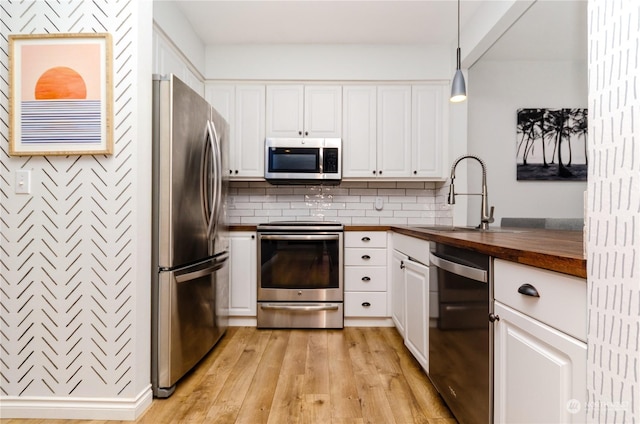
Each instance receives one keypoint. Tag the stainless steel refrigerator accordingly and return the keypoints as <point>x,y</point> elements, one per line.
<point>190,284</point>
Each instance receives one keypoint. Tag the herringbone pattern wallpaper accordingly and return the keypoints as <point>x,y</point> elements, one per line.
<point>67,250</point>
<point>614,212</point>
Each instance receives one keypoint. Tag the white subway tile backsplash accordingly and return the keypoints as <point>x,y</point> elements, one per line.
<point>363,192</point>
<point>383,184</point>
<point>402,199</point>
<point>267,212</point>
<point>414,207</point>
<point>351,203</point>
<point>351,213</point>
<point>366,221</point>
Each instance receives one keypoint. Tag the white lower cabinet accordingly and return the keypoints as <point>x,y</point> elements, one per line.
<point>242,274</point>
<point>398,290</point>
<point>410,294</point>
<point>365,274</point>
<point>539,356</point>
<point>416,336</point>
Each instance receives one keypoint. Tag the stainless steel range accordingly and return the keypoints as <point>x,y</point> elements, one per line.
<point>300,275</point>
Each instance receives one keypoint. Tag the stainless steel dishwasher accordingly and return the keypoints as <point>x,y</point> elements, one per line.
<point>460,334</point>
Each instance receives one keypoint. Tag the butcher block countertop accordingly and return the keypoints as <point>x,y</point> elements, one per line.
<point>555,250</point>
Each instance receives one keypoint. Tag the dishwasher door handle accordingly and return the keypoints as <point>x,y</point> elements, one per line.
<point>459,269</point>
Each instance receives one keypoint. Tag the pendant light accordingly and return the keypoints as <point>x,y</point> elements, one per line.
<point>458,87</point>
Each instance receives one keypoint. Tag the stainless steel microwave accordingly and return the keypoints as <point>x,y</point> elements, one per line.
<point>303,160</point>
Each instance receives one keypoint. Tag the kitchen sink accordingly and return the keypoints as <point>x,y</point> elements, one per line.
<point>450,229</point>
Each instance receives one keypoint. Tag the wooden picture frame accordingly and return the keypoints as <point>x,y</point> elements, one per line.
<point>61,94</point>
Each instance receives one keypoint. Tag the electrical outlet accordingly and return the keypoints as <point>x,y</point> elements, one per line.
<point>23,181</point>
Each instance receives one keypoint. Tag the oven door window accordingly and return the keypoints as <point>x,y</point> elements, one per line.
<point>292,160</point>
<point>308,262</point>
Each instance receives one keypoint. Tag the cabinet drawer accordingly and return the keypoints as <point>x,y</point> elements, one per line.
<point>365,304</point>
<point>365,278</point>
<point>365,257</point>
<point>365,239</point>
<point>412,247</point>
<point>563,298</point>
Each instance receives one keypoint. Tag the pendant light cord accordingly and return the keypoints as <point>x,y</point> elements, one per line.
<point>458,49</point>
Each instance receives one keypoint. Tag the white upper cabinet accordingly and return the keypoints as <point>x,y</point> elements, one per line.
<point>427,130</point>
<point>248,151</point>
<point>359,131</point>
<point>304,111</point>
<point>243,106</point>
<point>394,131</point>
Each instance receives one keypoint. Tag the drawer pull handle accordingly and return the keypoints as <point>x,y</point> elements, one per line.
<point>366,239</point>
<point>366,304</point>
<point>366,279</point>
<point>366,257</point>
<point>528,290</point>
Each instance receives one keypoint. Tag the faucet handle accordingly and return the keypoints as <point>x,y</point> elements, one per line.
<point>490,220</point>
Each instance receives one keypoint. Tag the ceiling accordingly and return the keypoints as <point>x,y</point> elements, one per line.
<point>551,29</point>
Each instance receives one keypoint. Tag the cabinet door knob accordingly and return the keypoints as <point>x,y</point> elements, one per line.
<point>379,172</point>
<point>236,171</point>
<point>299,132</point>
<point>528,290</point>
<point>401,264</point>
<point>306,133</point>
<point>366,279</point>
<point>415,172</point>
<point>366,239</point>
<point>366,304</point>
<point>493,317</point>
<point>366,257</point>
<point>374,172</point>
<point>253,237</point>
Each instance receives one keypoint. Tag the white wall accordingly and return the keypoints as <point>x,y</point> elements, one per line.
<point>329,62</point>
<point>176,28</point>
<point>613,223</point>
<point>496,91</point>
<point>75,274</point>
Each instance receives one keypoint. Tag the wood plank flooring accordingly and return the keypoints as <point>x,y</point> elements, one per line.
<point>350,376</point>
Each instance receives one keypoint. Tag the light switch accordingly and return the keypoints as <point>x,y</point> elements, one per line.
<point>23,181</point>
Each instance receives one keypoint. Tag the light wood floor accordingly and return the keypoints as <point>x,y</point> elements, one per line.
<point>355,375</point>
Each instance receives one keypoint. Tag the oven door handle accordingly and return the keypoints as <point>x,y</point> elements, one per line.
<point>299,237</point>
<point>457,268</point>
<point>303,308</point>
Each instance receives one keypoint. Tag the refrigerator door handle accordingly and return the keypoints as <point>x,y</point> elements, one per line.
<point>202,272</point>
<point>211,135</point>
<point>217,180</point>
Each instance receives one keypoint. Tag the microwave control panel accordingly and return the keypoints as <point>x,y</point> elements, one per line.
<point>330,161</point>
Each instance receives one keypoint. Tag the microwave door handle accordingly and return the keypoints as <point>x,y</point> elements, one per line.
<point>210,139</point>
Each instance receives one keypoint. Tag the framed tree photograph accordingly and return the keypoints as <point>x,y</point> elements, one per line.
<point>552,144</point>
<point>61,96</point>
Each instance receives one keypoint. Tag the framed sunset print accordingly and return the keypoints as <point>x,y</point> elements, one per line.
<point>61,97</point>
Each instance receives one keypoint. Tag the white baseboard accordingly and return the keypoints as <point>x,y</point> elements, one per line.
<point>243,321</point>
<point>368,322</point>
<point>76,408</point>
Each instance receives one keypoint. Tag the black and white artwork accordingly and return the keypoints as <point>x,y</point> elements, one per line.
<point>552,144</point>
